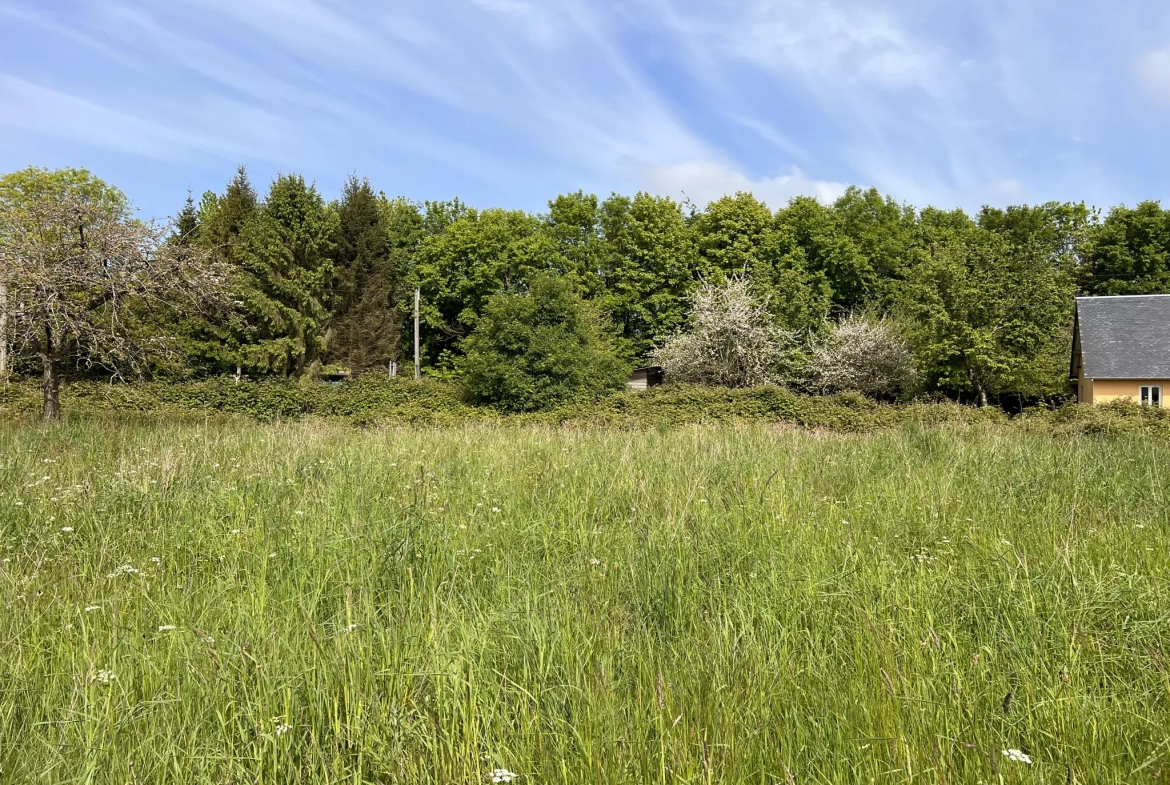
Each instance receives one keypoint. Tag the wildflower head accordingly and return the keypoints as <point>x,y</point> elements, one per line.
<point>67,529</point>
<point>502,775</point>
<point>166,627</point>
<point>102,677</point>
<point>125,569</point>
<point>1017,756</point>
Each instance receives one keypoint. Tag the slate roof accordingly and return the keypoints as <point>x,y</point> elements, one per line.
<point>1124,337</point>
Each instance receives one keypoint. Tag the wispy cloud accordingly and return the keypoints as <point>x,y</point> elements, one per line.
<point>511,101</point>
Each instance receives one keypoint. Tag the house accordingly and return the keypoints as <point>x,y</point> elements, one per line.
<point>644,378</point>
<point>1121,349</point>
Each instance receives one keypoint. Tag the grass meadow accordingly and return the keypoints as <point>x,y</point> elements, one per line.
<point>242,603</point>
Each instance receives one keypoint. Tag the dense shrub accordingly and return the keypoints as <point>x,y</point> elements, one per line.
<point>544,347</point>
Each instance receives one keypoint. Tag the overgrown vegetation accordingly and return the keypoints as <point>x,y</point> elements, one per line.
<point>307,603</point>
<point>983,303</point>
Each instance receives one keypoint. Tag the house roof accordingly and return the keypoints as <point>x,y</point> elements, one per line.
<point>1124,337</point>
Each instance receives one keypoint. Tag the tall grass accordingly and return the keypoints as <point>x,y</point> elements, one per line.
<point>685,606</point>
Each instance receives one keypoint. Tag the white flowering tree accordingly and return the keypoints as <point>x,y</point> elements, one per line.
<point>862,355</point>
<point>731,340</point>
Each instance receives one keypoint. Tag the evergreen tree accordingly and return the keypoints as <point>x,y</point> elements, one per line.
<point>368,309</point>
<point>187,225</point>
<point>286,266</point>
<point>216,225</point>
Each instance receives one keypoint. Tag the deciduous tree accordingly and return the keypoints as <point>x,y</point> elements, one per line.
<point>82,272</point>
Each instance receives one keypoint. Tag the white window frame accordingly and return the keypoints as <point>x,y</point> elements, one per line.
<point>1151,395</point>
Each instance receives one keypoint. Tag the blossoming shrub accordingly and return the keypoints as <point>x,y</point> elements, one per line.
<point>863,355</point>
<point>731,341</point>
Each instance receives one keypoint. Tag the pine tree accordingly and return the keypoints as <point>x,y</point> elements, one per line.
<point>285,268</point>
<point>221,221</point>
<point>373,241</point>
<point>187,225</point>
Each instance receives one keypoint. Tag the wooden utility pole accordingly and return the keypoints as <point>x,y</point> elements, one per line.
<point>417,372</point>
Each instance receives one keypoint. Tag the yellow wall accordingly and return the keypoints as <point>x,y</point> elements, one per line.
<point>1106,390</point>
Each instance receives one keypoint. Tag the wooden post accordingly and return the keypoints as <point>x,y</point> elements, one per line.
<point>417,370</point>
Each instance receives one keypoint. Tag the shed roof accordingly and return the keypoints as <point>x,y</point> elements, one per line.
<point>1125,337</point>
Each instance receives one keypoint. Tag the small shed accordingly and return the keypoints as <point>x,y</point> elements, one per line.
<point>1121,349</point>
<point>335,378</point>
<point>644,378</point>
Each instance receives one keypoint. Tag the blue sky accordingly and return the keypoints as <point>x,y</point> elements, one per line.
<point>510,102</point>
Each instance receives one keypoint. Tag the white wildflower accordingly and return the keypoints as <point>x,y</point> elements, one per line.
<point>347,630</point>
<point>103,677</point>
<point>67,529</point>
<point>166,628</point>
<point>495,509</point>
<point>299,512</point>
<point>208,639</point>
<point>1017,756</point>
<point>235,531</point>
<point>270,556</point>
<point>502,775</point>
<point>282,728</point>
<point>155,559</point>
<point>125,569</point>
<point>89,608</point>
<point>594,562</point>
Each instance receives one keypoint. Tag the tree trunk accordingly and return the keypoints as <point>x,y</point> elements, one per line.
<point>52,389</point>
<point>3,330</point>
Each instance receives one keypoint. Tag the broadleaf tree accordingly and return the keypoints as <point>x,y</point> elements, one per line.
<point>83,274</point>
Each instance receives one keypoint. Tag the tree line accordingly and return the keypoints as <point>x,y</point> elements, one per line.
<point>983,302</point>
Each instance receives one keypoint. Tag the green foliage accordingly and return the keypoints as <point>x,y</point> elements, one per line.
<point>540,348</point>
<point>990,317</point>
<point>375,238</point>
<point>21,189</point>
<point>285,268</point>
<point>650,267</point>
<point>478,254</point>
<point>815,234</point>
<point>375,400</point>
<point>1130,252</point>
<point>315,285</point>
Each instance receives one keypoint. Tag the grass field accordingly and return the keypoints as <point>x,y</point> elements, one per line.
<point>313,603</point>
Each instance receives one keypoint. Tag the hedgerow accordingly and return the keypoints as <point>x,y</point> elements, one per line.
<point>373,400</point>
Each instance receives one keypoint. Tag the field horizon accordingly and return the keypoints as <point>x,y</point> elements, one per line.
<point>309,602</point>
